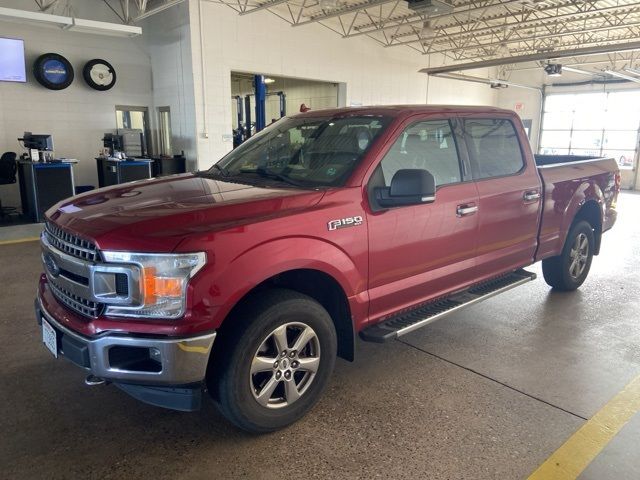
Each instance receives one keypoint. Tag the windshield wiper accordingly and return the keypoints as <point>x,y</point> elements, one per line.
<point>277,176</point>
<point>223,171</point>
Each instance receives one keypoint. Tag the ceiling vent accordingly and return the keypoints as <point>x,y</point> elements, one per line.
<point>430,7</point>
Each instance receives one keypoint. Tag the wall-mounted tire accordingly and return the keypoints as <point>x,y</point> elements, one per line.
<point>96,81</point>
<point>53,71</point>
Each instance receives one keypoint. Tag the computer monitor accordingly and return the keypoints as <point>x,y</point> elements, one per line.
<point>112,141</point>
<point>41,142</point>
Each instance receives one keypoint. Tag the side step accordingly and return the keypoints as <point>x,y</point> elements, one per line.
<point>411,320</point>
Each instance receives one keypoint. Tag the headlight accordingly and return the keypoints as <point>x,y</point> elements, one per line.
<point>158,283</point>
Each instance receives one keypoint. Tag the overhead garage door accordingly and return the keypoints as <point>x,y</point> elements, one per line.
<point>599,124</point>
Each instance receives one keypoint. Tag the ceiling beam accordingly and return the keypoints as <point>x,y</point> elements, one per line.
<point>342,11</point>
<point>534,37</point>
<point>552,20</point>
<point>411,19</point>
<point>263,6</point>
<point>534,57</point>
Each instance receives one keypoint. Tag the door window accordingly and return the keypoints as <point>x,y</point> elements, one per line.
<point>426,145</point>
<point>493,146</point>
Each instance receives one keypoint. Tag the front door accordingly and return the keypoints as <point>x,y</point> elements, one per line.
<point>419,252</point>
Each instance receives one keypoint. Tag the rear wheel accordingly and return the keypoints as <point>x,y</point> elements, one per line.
<point>274,362</point>
<point>569,270</point>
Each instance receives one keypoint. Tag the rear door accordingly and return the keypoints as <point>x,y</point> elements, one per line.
<point>417,252</point>
<point>509,194</point>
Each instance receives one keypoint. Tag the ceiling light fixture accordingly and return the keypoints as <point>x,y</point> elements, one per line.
<point>69,23</point>
<point>634,71</point>
<point>329,4</point>
<point>427,30</point>
<point>269,80</point>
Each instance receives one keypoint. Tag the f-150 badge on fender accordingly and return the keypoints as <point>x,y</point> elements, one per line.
<point>345,222</point>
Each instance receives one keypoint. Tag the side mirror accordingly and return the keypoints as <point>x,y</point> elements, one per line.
<point>408,187</point>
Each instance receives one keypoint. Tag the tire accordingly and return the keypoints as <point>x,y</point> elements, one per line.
<point>254,338</point>
<point>561,272</point>
<point>86,74</point>
<point>41,75</point>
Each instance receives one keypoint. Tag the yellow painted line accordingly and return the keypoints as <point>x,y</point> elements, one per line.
<point>19,240</point>
<point>578,452</point>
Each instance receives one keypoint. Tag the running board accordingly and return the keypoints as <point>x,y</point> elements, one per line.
<point>411,320</point>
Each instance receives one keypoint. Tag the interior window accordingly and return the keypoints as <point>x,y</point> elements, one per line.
<point>494,147</point>
<point>427,145</point>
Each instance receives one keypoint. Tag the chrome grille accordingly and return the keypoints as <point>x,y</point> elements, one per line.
<point>75,302</point>
<point>70,243</point>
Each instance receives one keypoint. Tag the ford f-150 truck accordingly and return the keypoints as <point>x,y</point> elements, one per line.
<point>248,279</point>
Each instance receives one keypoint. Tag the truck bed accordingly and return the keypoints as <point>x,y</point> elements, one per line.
<point>567,181</point>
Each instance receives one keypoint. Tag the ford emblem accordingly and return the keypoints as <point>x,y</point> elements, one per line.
<point>51,265</point>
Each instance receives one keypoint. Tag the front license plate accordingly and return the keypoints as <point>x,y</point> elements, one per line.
<point>49,338</point>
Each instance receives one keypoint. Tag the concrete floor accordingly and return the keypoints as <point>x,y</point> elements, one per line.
<point>487,394</point>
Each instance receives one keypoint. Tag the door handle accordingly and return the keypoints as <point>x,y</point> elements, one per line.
<point>465,210</point>
<point>531,195</point>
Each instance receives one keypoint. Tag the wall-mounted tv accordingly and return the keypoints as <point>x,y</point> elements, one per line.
<point>12,64</point>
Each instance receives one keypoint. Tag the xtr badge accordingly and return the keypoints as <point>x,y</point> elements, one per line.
<point>345,222</point>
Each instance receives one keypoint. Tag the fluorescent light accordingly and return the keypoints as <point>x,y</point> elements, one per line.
<point>34,17</point>
<point>623,76</point>
<point>69,23</point>
<point>269,80</point>
<point>104,28</point>
<point>635,71</point>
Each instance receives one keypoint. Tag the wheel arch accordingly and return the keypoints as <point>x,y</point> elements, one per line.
<point>318,285</point>
<point>591,212</point>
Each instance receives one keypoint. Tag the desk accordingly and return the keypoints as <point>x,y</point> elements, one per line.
<point>113,171</point>
<point>42,185</point>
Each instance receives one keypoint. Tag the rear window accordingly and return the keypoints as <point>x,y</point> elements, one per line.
<point>494,147</point>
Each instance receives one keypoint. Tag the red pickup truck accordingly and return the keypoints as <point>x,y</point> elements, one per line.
<point>249,278</point>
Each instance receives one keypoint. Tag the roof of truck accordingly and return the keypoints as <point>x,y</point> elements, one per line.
<point>401,110</point>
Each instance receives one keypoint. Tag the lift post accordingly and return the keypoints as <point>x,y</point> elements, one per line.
<point>247,110</point>
<point>261,104</point>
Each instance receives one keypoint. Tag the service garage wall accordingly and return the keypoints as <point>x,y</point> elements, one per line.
<point>530,105</point>
<point>78,116</point>
<point>262,43</point>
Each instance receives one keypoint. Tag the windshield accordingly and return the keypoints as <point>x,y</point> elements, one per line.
<point>304,152</point>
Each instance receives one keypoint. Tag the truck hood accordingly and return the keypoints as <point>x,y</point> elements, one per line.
<point>155,215</point>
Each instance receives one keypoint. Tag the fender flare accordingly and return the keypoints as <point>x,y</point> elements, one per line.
<point>236,279</point>
<point>585,193</point>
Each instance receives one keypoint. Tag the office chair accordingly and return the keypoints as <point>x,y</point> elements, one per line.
<point>8,169</point>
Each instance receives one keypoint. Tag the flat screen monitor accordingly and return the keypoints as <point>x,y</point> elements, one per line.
<point>43,142</point>
<point>12,64</point>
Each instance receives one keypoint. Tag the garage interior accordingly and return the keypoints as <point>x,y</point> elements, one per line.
<point>504,389</point>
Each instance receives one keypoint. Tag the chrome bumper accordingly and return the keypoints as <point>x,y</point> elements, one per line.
<point>182,361</point>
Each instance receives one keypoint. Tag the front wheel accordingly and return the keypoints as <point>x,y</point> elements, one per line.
<point>569,270</point>
<point>274,361</point>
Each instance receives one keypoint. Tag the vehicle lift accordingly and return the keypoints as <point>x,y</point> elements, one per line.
<point>245,128</point>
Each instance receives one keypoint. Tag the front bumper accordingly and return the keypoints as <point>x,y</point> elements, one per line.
<point>121,358</point>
